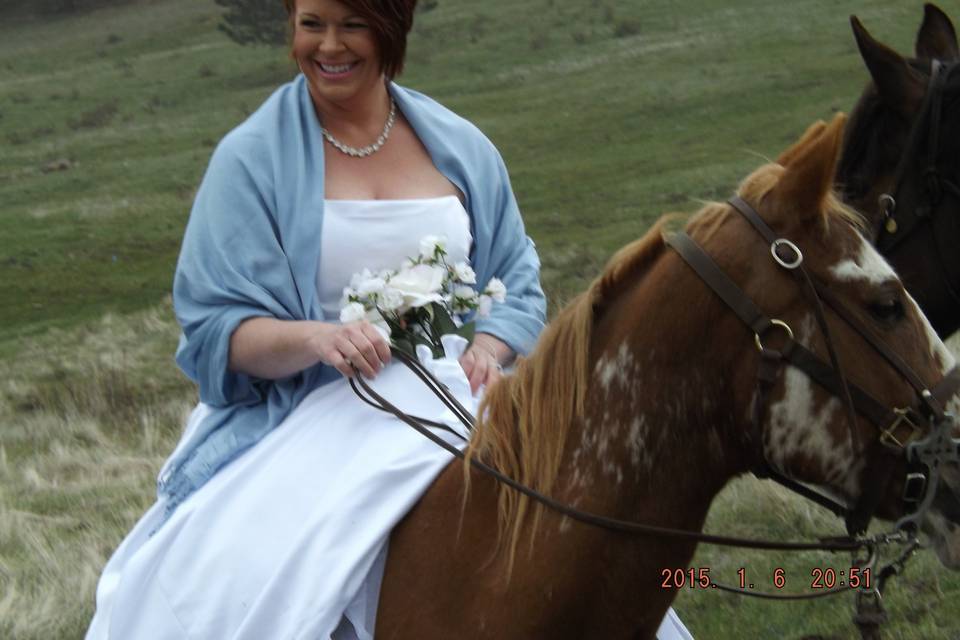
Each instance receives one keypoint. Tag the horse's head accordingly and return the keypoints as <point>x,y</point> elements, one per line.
<point>803,430</point>
<point>901,162</point>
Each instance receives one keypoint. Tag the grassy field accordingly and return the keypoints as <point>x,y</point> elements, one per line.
<point>608,114</point>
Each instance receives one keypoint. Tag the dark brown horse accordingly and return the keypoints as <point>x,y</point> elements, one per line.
<point>901,163</point>
<point>637,404</point>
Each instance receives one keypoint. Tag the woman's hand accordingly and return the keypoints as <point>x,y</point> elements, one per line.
<point>274,349</point>
<point>482,362</point>
<point>352,347</point>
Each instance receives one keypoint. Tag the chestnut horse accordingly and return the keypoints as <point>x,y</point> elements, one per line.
<point>637,404</point>
<point>903,141</point>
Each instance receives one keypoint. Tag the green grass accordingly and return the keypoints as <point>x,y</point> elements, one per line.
<point>607,113</point>
<point>601,133</point>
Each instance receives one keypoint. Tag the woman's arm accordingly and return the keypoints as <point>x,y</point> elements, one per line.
<point>274,349</point>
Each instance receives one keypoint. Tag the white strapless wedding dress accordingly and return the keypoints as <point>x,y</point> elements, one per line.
<point>290,539</point>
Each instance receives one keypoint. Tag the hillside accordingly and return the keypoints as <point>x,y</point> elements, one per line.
<point>608,113</point>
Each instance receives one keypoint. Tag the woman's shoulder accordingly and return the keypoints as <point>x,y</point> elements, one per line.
<point>429,113</point>
<point>264,128</point>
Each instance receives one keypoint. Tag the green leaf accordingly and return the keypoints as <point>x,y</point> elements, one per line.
<point>442,321</point>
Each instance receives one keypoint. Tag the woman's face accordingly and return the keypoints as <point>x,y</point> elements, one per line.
<point>336,50</point>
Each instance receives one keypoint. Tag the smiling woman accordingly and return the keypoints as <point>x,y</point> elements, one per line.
<point>385,25</point>
<point>275,508</point>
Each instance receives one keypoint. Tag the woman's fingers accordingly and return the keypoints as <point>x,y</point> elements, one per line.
<point>361,351</point>
<point>379,342</point>
<point>469,363</point>
<point>480,367</point>
<point>342,365</point>
<point>357,347</point>
<point>359,359</point>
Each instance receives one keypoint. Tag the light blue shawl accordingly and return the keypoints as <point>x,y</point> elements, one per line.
<point>252,247</point>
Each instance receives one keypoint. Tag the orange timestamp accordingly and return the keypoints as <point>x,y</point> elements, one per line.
<point>820,578</point>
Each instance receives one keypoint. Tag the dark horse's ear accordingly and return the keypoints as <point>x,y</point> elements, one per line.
<point>936,39</point>
<point>809,166</point>
<point>900,87</point>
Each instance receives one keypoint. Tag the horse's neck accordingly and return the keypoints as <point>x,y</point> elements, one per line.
<point>655,444</point>
<point>651,450</point>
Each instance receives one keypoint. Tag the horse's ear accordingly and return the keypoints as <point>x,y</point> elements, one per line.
<point>936,39</point>
<point>899,85</point>
<point>812,133</point>
<point>809,166</point>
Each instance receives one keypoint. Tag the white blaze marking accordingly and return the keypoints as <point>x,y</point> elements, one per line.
<point>868,266</point>
<point>871,267</point>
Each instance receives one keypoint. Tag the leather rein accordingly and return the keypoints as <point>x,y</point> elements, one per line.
<point>930,187</point>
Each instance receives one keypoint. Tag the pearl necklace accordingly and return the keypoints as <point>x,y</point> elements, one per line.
<point>369,149</point>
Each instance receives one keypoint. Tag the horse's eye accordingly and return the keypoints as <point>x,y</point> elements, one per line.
<point>888,309</point>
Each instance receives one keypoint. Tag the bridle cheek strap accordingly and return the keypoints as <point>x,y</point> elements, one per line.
<point>897,426</point>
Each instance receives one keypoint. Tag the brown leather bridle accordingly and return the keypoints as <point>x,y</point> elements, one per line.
<point>900,428</point>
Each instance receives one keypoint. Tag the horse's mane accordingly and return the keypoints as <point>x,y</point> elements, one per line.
<point>525,418</point>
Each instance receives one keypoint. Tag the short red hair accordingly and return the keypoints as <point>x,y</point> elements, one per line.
<point>390,20</point>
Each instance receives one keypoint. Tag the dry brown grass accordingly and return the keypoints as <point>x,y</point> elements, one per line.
<point>87,417</point>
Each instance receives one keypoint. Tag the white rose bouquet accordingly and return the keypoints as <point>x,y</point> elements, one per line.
<point>422,300</point>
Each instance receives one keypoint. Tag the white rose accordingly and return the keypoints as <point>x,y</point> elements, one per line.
<point>371,286</point>
<point>464,273</point>
<point>420,284</point>
<point>496,289</point>
<point>390,299</point>
<point>464,298</point>
<point>352,312</point>
<point>430,244</point>
<point>486,303</point>
<point>465,293</point>
<point>357,278</point>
